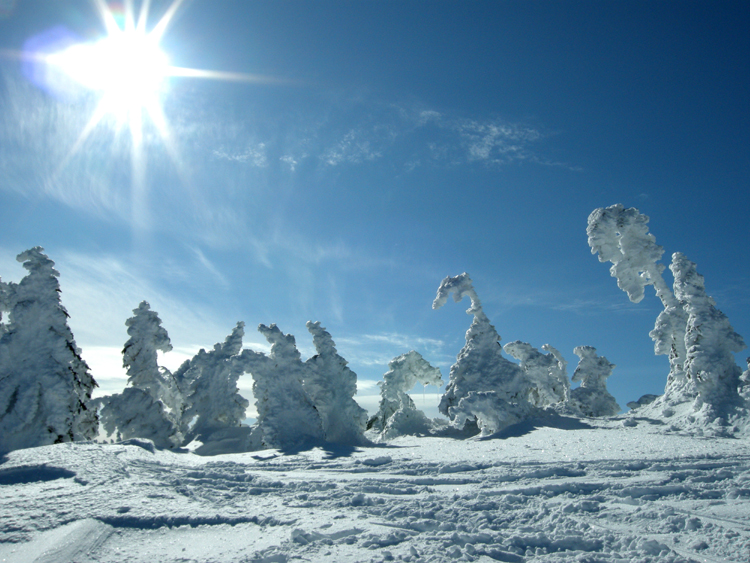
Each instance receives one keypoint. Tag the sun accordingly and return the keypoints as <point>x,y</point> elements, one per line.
<point>127,68</point>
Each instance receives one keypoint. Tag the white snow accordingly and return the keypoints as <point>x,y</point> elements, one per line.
<point>555,490</point>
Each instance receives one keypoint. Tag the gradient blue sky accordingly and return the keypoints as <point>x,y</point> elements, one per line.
<point>399,143</point>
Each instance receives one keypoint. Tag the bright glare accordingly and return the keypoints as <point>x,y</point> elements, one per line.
<point>127,68</point>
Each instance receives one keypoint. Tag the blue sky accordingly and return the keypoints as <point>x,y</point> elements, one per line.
<point>393,144</point>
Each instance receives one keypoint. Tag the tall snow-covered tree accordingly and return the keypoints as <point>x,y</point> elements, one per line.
<point>397,413</point>
<point>621,236</point>
<point>545,373</point>
<point>150,406</point>
<point>45,385</point>
<point>592,398</point>
<point>287,416</point>
<point>709,339</point>
<point>480,365</point>
<point>697,337</point>
<point>213,402</point>
<point>332,385</point>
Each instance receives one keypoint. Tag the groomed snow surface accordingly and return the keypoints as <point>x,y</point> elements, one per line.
<point>558,489</point>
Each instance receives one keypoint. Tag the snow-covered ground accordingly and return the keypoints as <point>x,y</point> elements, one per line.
<point>558,490</point>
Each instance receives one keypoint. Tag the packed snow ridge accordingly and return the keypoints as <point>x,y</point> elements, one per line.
<point>45,386</point>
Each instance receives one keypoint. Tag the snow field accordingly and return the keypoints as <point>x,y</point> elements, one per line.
<point>575,491</point>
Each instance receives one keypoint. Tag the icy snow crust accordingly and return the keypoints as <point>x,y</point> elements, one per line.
<point>558,490</point>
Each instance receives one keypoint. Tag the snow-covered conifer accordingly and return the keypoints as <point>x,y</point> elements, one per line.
<point>213,401</point>
<point>480,365</point>
<point>151,406</point>
<point>286,414</point>
<point>709,339</point>
<point>398,414</point>
<point>545,373</point>
<point>45,385</point>
<point>592,398</point>
<point>332,385</point>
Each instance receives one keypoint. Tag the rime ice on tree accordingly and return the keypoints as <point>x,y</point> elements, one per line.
<point>45,386</point>
<point>592,398</point>
<point>151,404</point>
<point>480,368</point>
<point>212,401</point>
<point>398,415</point>
<point>286,414</point>
<point>331,386</point>
<point>695,335</point>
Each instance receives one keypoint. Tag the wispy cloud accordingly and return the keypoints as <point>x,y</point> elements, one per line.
<point>379,349</point>
<point>252,155</point>
<point>357,146</point>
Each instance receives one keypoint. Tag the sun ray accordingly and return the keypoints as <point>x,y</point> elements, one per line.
<point>158,32</point>
<point>184,72</point>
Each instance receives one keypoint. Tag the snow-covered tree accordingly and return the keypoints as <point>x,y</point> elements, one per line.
<point>480,366</point>
<point>135,413</point>
<point>140,358</point>
<point>45,385</point>
<point>621,236</point>
<point>545,373</point>
<point>398,415</point>
<point>709,339</point>
<point>697,337</point>
<point>332,385</point>
<point>286,414</point>
<point>150,406</point>
<point>213,402</point>
<point>592,398</point>
<point>744,387</point>
<point>3,305</point>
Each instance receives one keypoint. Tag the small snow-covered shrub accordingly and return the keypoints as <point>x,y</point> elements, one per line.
<point>135,413</point>
<point>545,373</point>
<point>397,414</point>
<point>45,385</point>
<point>592,398</point>
<point>489,410</point>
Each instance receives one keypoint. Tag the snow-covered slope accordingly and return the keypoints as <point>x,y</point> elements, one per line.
<point>563,489</point>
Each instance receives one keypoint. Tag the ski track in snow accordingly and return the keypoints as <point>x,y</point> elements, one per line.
<point>604,494</point>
